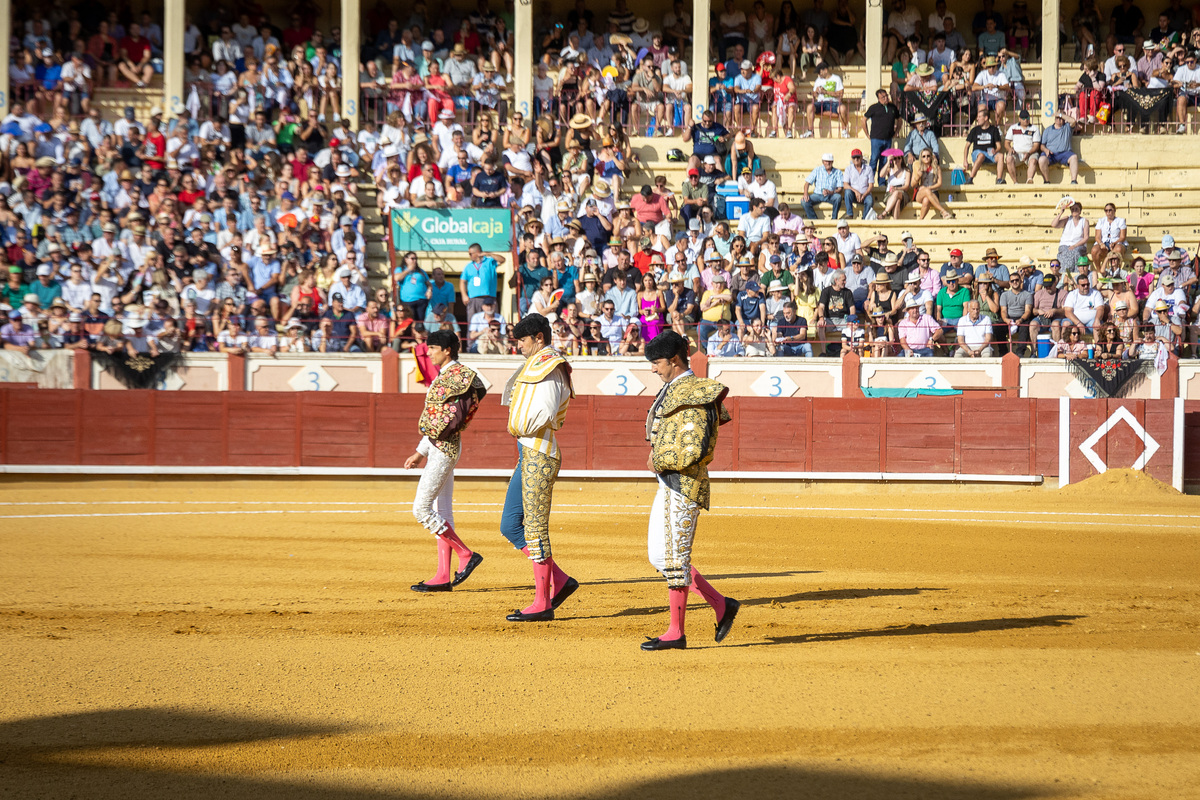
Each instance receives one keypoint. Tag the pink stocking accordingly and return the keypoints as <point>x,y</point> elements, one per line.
<point>710,595</point>
<point>678,603</point>
<point>558,578</point>
<point>464,553</point>
<point>541,588</point>
<point>443,570</point>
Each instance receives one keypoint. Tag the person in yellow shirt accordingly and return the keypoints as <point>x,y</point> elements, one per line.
<point>537,396</point>
<point>716,304</point>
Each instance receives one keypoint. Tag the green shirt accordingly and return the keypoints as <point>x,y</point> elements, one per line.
<point>952,304</point>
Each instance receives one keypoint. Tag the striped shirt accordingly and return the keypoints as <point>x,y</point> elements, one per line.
<point>537,410</point>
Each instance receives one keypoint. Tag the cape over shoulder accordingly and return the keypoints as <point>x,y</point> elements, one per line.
<point>693,391</point>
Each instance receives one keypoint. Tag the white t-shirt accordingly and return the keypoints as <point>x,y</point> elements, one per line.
<point>1024,138</point>
<point>827,88</point>
<point>733,20</point>
<point>1184,76</point>
<point>991,84</point>
<point>676,83</point>
<point>1108,232</point>
<point>974,334</point>
<point>766,190</point>
<point>905,22</point>
<point>519,159</point>
<point>1084,306</point>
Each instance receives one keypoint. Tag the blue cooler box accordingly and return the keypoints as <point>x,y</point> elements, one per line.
<point>736,206</point>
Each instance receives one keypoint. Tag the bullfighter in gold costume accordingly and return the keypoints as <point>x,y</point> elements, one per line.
<point>682,430</point>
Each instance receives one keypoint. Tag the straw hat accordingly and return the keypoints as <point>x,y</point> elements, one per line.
<point>601,189</point>
<point>581,122</point>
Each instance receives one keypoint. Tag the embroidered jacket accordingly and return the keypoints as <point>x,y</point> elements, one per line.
<point>682,431</point>
<point>450,403</point>
<point>537,396</point>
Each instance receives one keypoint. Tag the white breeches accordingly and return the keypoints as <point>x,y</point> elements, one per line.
<point>433,505</point>
<point>672,527</point>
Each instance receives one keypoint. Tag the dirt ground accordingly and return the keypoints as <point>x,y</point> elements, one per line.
<point>257,639</point>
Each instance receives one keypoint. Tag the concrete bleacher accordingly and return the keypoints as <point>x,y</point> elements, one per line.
<point>1136,173</point>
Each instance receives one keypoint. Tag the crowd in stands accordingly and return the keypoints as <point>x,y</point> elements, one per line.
<point>236,226</point>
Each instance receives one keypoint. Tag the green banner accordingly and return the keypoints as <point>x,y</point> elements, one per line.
<point>453,229</point>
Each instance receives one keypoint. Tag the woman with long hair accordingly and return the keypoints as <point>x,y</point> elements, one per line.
<point>924,183</point>
<point>651,307</point>
<point>895,176</point>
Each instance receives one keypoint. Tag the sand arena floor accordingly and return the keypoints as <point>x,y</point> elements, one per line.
<point>257,639</point>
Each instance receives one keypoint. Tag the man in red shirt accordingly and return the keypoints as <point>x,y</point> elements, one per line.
<point>154,150</point>
<point>297,34</point>
<point>645,255</point>
<point>135,57</point>
<point>652,211</point>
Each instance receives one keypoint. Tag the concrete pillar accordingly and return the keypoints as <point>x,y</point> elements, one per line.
<point>5,35</point>
<point>351,33</point>
<point>874,42</point>
<point>1050,54</point>
<point>523,65</point>
<point>700,56</point>
<point>173,57</point>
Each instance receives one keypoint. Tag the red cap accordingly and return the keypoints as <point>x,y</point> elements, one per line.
<point>334,142</point>
<point>854,153</point>
<point>956,252</point>
<point>693,171</point>
<point>720,66</point>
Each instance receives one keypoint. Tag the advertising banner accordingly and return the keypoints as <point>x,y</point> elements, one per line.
<point>453,229</point>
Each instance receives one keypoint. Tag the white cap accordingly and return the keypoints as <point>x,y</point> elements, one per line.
<point>391,151</point>
<point>906,235</point>
<point>710,160</point>
<point>842,223</point>
<point>44,269</point>
<point>156,111</point>
<point>343,272</point>
<point>827,157</point>
<point>694,225</point>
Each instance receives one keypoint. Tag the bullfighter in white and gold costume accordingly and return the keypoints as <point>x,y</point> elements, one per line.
<point>450,403</point>
<point>682,430</point>
<point>537,396</point>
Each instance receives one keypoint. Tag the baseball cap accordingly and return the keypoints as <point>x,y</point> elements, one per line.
<point>747,65</point>
<point>827,156</point>
<point>956,252</point>
<point>1168,240</point>
<point>854,153</point>
<point>75,316</point>
<point>693,171</point>
<point>1049,280</point>
<point>856,259</point>
<point>904,237</point>
<point>1023,115</point>
<point>694,225</point>
<point>44,269</point>
<point>710,160</point>
<point>753,286</point>
<point>776,260</point>
<point>1167,280</point>
<point>843,223</point>
<point>343,272</point>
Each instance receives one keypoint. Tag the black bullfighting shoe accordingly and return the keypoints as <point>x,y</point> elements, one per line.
<point>665,644</point>
<point>731,610</point>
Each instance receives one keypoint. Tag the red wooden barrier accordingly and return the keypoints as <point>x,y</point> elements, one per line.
<point>948,435</point>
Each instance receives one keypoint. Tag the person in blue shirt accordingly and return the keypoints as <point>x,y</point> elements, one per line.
<point>623,298</point>
<point>724,342</point>
<point>264,271</point>
<point>532,272</point>
<point>479,279</point>
<point>720,92</point>
<point>441,291</point>
<point>412,284</point>
<point>747,89</point>
<point>750,305</point>
<point>565,276</point>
